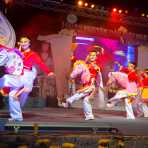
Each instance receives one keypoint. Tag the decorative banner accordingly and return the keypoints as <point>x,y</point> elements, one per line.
<point>7,34</point>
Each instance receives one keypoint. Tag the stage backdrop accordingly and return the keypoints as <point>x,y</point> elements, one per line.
<point>143,57</point>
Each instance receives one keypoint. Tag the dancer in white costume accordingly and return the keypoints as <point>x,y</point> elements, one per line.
<point>21,85</point>
<point>12,60</point>
<point>88,74</point>
<point>130,92</point>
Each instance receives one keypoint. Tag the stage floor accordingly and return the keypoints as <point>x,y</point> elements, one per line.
<point>72,119</point>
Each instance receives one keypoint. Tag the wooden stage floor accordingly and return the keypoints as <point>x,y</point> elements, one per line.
<point>61,119</point>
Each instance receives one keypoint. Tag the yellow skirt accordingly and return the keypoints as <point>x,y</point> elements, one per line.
<point>145,95</point>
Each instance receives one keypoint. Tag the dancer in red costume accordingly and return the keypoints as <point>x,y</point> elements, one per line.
<point>31,58</point>
<point>26,79</point>
<point>89,71</point>
<point>144,87</point>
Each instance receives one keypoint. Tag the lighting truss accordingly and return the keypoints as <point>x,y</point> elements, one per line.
<point>98,13</point>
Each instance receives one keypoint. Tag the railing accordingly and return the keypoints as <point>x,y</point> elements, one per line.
<point>98,13</point>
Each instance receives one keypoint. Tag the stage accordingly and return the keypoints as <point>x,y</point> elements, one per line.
<point>61,120</point>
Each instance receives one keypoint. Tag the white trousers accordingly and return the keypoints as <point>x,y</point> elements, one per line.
<point>15,83</point>
<point>128,106</point>
<point>145,109</point>
<point>87,107</point>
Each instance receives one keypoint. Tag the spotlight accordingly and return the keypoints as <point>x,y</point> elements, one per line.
<point>114,10</point>
<point>92,6</point>
<point>147,15</point>
<point>126,11</point>
<point>80,3</point>
<point>8,1</point>
<point>120,11</point>
<point>84,38</point>
<point>86,4</point>
<point>143,14</point>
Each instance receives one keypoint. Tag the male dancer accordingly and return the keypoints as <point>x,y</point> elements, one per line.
<point>30,60</point>
<point>89,88</point>
<point>130,80</point>
<point>23,84</point>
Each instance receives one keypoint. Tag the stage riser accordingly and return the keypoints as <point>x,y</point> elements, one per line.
<point>47,129</point>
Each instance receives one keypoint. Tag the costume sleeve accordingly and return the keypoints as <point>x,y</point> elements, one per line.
<point>18,52</point>
<point>37,60</point>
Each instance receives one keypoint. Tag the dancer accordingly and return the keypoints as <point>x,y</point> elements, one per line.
<point>12,61</point>
<point>144,93</point>
<point>129,93</point>
<point>30,60</point>
<point>88,77</point>
<point>22,85</point>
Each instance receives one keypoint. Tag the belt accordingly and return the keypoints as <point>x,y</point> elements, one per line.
<point>28,68</point>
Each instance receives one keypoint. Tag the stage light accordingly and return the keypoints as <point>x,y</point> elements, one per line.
<point>86,4</point>
<point>143,14</point>
<point>147,15</point>
<point>85,38</point>
<point>120,53</point>
<point>114,10</point>
<point>8,1</point>
<point>92,6</point>
<point>80,3</point>
<point>131,54</point>
<point>126,11</point>
<point>120,11</point>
